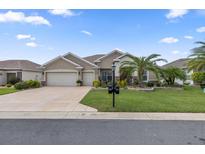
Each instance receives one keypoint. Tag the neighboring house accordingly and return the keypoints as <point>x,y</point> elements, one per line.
<point>67,69</point>
<point>22,69</point>
<point>182,64</point>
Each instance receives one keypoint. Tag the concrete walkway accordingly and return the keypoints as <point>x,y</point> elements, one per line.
<point>103,115</point>
<point>46,99</point>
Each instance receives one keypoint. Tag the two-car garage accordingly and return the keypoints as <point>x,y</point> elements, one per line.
<point>61,78</point>
<point>66,70</point>
<point>69,78</point>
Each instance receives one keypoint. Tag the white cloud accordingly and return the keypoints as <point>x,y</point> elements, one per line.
<point>20,17</point>
<point>23,36</point>
<point>188,37</point>
<point>31,44</point>
<point>169,40</point>
<point>37,20</point>
<point>86,33</point>
<point>62,12</point>
<point>201,29</point>
<point>175,52</point>
<point>176,13</point>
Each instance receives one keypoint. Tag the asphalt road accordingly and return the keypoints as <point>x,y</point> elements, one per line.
<point>101,132</point>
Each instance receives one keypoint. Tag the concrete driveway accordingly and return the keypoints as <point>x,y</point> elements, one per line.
<point>46,99</point>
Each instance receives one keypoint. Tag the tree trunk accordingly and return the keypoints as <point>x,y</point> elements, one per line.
<point>140,80</point>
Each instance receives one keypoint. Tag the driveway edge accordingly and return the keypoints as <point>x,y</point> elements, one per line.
<point>103,115</point>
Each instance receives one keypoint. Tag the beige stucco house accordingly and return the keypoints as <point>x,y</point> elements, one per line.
<point>65,70</point>
<point>22,69</point>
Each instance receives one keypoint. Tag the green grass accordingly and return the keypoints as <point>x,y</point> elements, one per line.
<point>4,91</point>
<point>167,100</point>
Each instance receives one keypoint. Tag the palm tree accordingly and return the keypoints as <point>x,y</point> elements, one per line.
<point>169,74</point>
<point>142,64</point>
<point>125,73</point>
<point>197,60</point>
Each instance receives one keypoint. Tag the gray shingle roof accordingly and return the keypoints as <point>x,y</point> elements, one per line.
<point>19,64</point>
<point>180,63</point>
<point>93,57</point>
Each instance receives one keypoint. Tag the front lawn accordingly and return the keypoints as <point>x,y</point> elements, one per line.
<point>166,100</point>
<point>4,91</point>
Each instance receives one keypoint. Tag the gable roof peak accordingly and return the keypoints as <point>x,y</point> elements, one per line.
<point>113,51</point>
<point>92,58</point>
<point>117,49</point>
<point>61,57</point>
<point>125,54</point>
<point>74,55</point>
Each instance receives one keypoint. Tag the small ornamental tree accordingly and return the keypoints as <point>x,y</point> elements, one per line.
<point>198,77</point>
<point>169,75</point>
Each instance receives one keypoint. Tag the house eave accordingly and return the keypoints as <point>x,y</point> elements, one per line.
<point>70,53</point>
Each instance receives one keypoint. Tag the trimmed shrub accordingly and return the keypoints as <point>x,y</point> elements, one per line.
<point>33,83</point>
<point>153,84</point>
<point>79,82</point>
<point>122,83</point>
<point>198,77</point>
<point>14,80</point>
<point>36,84</point>
<point>8,85</point>
<point>96,83</point>
<point>21,85</point>
<point>150,84</point>
<point>27,84</point>
<point>103,85</point>
<point>158,84</point>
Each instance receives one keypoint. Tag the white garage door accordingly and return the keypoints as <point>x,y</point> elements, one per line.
<point>61,79</point>
<point>88,78</point>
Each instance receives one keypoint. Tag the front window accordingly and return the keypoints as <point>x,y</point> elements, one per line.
<point>106,76</point>
<point>10,77</point>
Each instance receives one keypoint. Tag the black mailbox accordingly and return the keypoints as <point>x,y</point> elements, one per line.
<point>117,90</point>
<point>110,89</point>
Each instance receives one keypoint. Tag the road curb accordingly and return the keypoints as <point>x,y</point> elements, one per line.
<point>103,115</point>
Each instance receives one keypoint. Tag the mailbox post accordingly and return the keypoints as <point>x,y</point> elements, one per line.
<point>113,84</point>
<point>113,89</point>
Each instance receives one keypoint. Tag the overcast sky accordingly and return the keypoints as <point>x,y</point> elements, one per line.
<point>40,35</point>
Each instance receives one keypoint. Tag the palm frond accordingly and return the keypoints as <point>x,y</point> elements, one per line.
<point>200,42</point>
<point>160,59</point>
<point>152,56</point>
